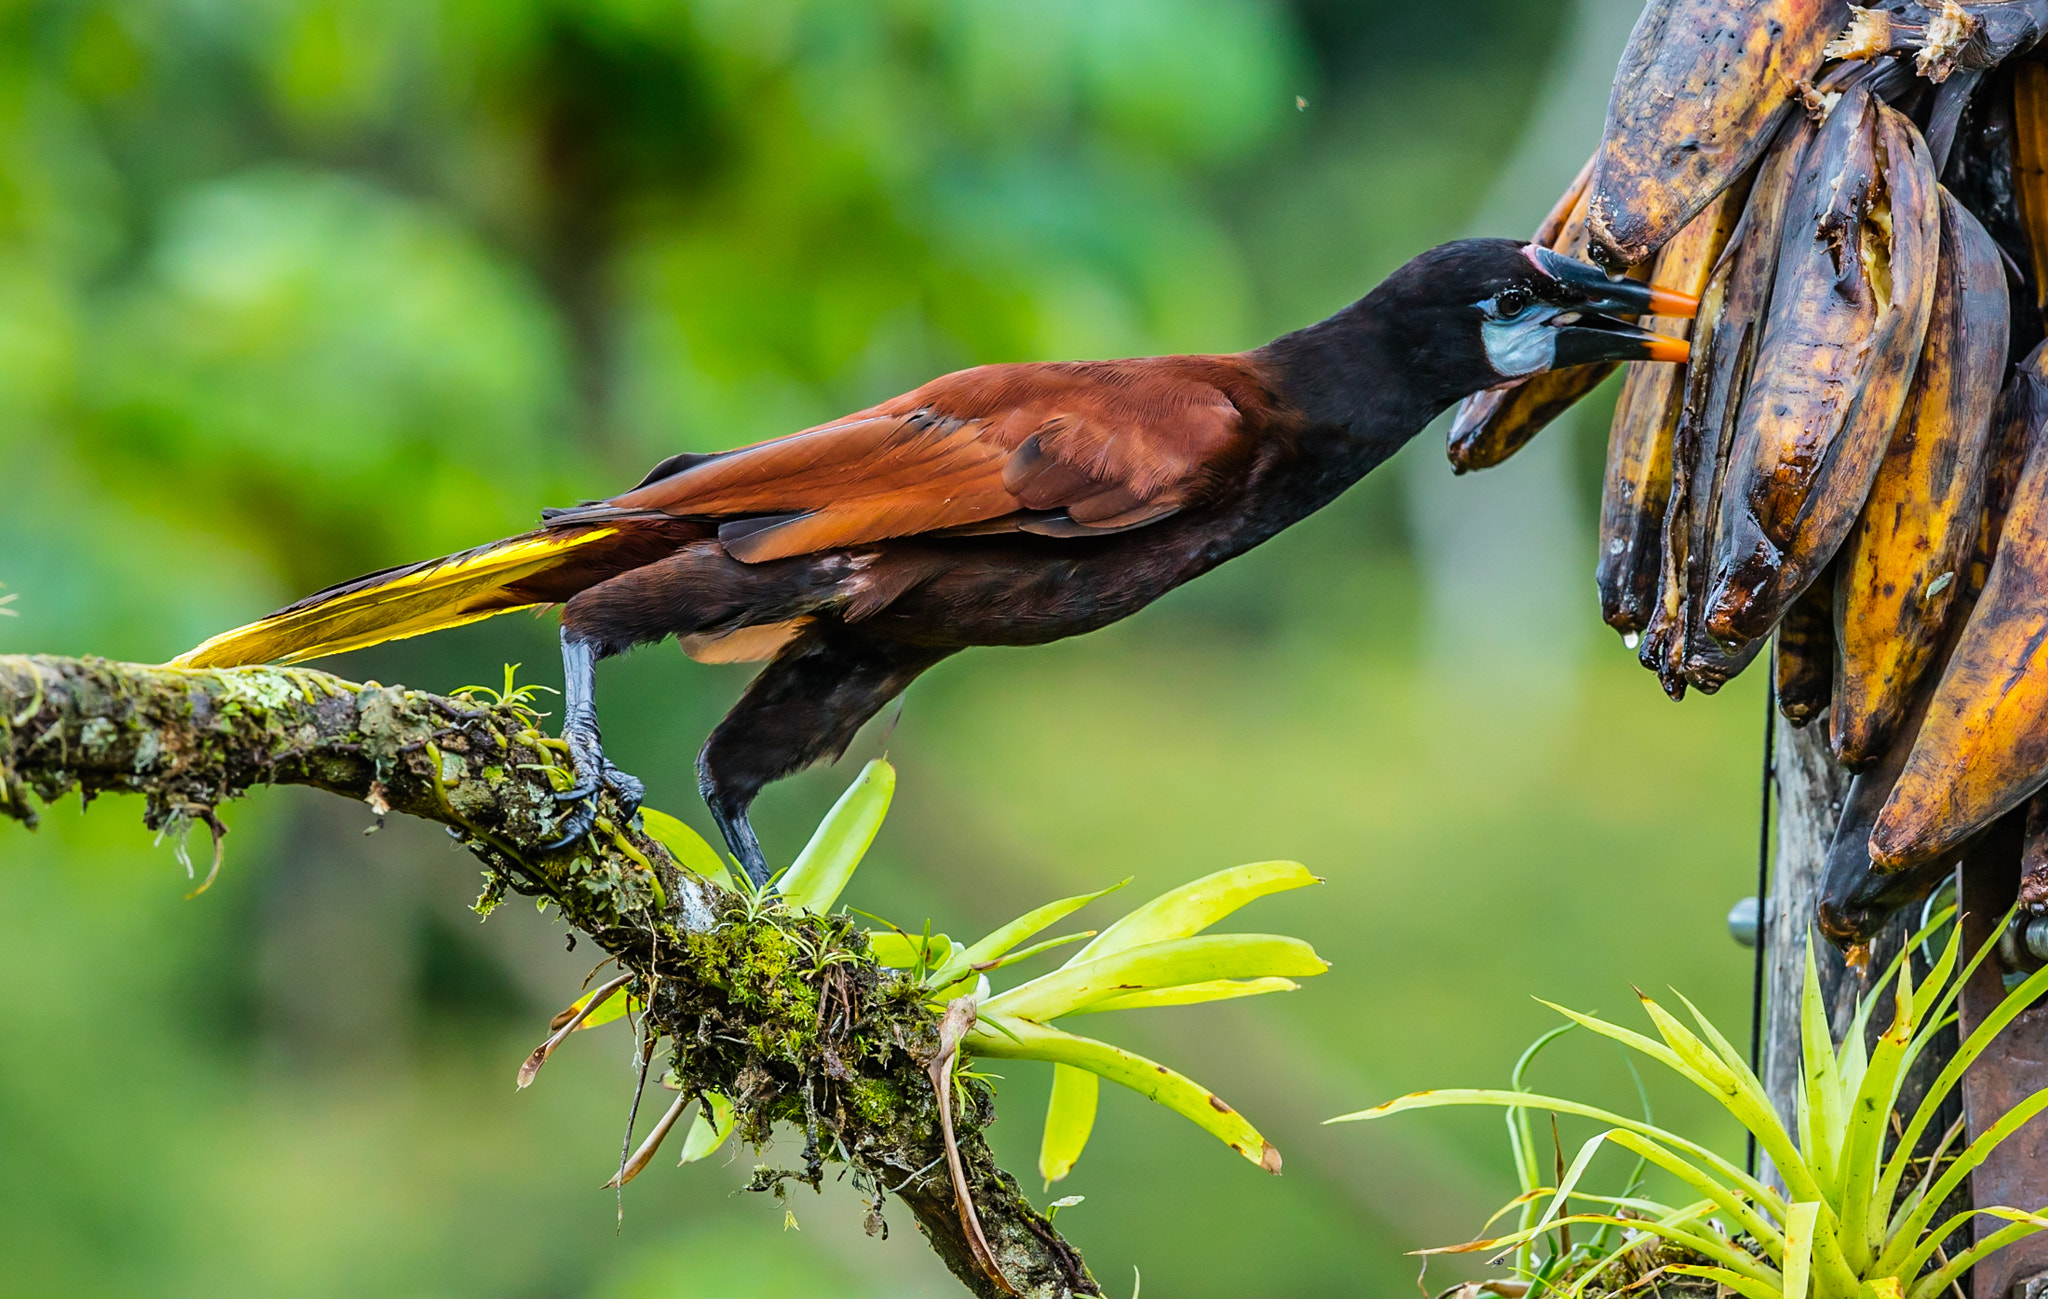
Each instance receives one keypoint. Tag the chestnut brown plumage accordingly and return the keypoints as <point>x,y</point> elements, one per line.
<point>1003,505</point>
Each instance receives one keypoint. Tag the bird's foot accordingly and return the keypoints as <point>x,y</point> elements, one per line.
<point>593,770</point>
<point>580,799</point>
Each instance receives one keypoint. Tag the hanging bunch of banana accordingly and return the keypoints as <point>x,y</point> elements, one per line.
<point>1852,470</point>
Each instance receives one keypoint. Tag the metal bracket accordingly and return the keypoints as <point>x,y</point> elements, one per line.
<point>2030,1287</point>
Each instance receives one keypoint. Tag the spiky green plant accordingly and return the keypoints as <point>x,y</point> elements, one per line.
<point>1849,1226</point>
<point>1543,1269</point>
<point>1158,955</point>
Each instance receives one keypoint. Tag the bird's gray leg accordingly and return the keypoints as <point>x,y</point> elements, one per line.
<point>730,815</point>
<point>586,747</point>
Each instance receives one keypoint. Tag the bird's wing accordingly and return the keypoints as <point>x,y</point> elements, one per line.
<point>1065,449</point>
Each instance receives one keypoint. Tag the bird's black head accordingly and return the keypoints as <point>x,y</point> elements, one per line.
<point>1499,310</point>
<point>1473,315</point>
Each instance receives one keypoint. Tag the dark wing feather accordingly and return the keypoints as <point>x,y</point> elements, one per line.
<point>1068,449</point>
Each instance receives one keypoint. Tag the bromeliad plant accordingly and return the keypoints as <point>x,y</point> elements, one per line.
<point>1855,1221</point>
<point>1157,955</point>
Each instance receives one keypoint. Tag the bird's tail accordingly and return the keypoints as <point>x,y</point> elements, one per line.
<point>517,573</point>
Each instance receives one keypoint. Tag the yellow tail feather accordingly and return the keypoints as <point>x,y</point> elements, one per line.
<point>461,589</point>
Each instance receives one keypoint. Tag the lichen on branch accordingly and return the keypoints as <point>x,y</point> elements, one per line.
<point>785,1013</point>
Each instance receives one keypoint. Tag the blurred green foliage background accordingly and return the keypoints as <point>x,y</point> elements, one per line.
<point>293,289</point>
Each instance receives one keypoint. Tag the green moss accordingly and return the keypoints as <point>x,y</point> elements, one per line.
<point>258,689</point>
<point>875,1102</point>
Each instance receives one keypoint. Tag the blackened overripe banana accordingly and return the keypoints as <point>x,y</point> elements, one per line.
<point>1849,310</point>
<point>1984,173</point>
<point>2022,411</point>
<point>1904,563</point>
<point>1858,893</point>
<point>1637,485</point>
<point>2030,163</point>
<point>1725,336</point>
<point>1702,87</point>
<point>1983,749</point>
<point>1707,664</point>
<point>1715,353</point>
<point>1803,653</point>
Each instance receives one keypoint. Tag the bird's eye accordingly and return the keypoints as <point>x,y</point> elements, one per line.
<point>1511,302</point>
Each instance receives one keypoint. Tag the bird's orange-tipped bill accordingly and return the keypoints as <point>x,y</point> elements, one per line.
<point>1583,339</point>
<point>1663,347</point>
<point>1672,302</point>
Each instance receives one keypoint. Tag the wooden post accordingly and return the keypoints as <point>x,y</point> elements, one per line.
<point>1810,789</point>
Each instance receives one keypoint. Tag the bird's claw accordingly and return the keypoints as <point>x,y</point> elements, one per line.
<point>581,818</point>
<point>574,825</point>
<point>629,791</point>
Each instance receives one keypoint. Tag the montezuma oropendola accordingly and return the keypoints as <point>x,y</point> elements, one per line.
<point>1002,505</point>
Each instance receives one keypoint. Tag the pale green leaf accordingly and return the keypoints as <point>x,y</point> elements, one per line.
<point>1193,907</point>
<point>1869,1117</point>
<point>2022,1225</point>
<point>1951,1073</point>
<point>1026,953</point>
<point>614,1008</point>
<point>900,951</point>
<point>1560,1199</point>
<point>1649,1046</point>
<point>1718,1194</point>
<point>1069,1118</point>
<point>1938,976</point>
<point>686,846</point>
<point>1677,1229</point>
<point>827,862</point>
<point>1712,1071</point>
<point>1910,1232</point>
<point>1759,1118</point>
<point>1189,994</point>
<point>1528,1172</point>
<point>1817,1076</point>
<point>1741,1285</point>
<point>707,1134</point>
<point>1936,1160</point>
<point>1200,959</point>
<point>1723,1170</point>
<point>1031,922</point>
<point>1799,1227</point>
<point>1021,1039</point>
<point>1737,1061</point>
<point>1725,1198</point>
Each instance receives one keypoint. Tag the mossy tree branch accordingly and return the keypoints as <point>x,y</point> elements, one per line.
<point>785,1014</point>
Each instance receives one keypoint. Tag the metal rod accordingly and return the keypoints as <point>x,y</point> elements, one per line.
<point>1763,885</point>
